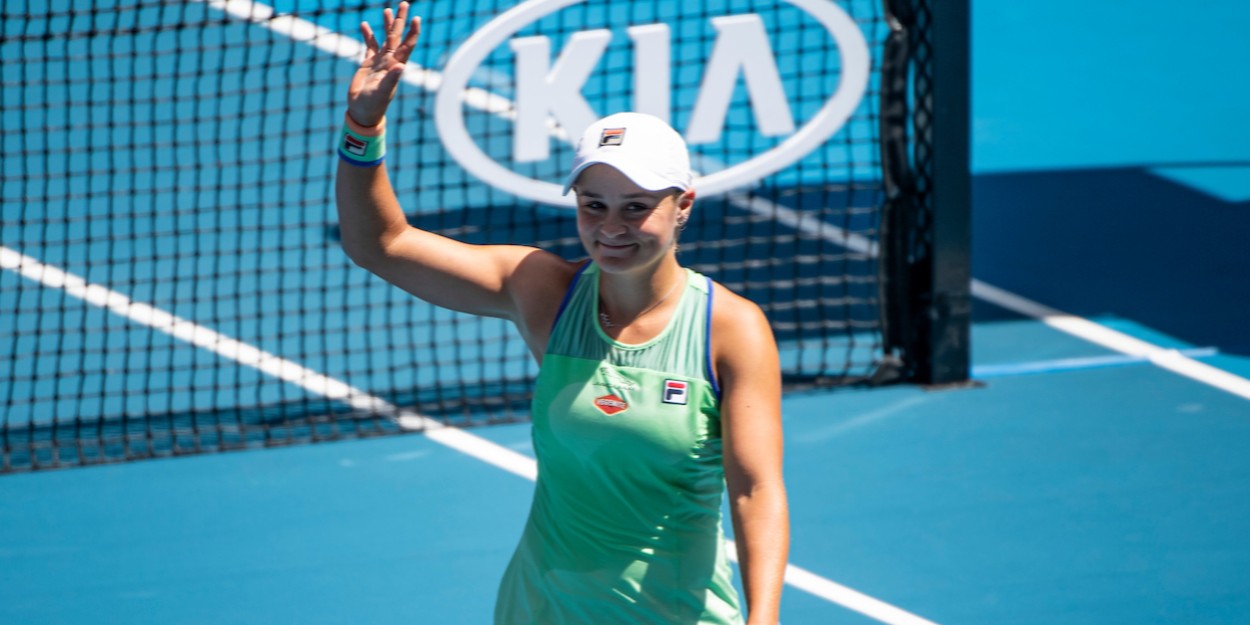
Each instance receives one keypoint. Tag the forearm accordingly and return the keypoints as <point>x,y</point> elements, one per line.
<point>374,232</point>
<point>369,214</point>
<point>762,526</point>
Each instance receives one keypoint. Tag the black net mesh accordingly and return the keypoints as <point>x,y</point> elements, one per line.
<point>172,279</point>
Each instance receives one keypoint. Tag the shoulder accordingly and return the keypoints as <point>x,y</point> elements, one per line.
<point>537,285</point>
<point>746,362</point>
<point>741,335</point>
<point>536,270</point>
<point>736,317</point>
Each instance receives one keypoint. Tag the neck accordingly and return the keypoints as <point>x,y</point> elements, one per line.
<point>625,297</point>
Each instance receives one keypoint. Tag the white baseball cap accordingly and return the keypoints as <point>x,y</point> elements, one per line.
<point>643,147</point>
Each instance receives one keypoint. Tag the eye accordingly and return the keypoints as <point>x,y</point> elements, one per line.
<point>638,207</point>
<point>593,205</point>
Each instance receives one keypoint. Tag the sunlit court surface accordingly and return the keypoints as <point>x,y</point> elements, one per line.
<point>1097,471</point>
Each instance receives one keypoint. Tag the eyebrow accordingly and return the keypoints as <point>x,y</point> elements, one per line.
<point>628,196</point>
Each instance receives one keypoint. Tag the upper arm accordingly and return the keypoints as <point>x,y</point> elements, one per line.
<point>509,281</point>
<point>748,368</point>
<point>506,281</point>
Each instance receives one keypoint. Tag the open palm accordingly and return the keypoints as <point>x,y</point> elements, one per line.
<point>375,82</point>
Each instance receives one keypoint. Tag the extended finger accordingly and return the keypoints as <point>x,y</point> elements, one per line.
<point>388,19</point>
<point>371,42</point>
<point>395,30</point>
<point>410,41</point>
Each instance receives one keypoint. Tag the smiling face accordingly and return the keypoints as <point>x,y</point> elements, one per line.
<point>623,226</point>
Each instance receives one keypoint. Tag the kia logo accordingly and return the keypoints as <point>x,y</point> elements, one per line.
<point>552,91</point>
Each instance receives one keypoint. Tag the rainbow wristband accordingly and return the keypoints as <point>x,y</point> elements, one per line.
<point>362,146</point>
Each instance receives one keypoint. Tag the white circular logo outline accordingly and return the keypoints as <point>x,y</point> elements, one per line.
<point>449,112</point>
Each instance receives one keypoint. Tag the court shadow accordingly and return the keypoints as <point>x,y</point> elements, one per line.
<point>1119,242</point>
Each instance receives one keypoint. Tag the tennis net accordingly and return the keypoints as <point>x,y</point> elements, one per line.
<point>172,280</point>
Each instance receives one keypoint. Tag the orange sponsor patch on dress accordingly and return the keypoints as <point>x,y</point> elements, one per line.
<point>611,404</point>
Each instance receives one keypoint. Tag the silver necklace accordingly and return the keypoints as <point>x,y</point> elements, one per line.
<point>607,320</point>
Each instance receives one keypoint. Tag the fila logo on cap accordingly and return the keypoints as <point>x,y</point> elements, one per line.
<point>612,136</point>
<point>675,392</point>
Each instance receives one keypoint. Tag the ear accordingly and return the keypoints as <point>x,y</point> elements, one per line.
<point>685,202</point>
<point>686,199</point>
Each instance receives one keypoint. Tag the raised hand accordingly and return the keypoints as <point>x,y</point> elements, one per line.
<point>375,82</point>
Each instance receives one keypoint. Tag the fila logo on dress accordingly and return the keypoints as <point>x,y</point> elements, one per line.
<point>675,392</point>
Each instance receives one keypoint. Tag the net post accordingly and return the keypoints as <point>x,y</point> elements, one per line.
<point>950,309</point>
<point>926,223</point>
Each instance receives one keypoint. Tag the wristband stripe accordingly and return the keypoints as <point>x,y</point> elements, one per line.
<point>351,161</point>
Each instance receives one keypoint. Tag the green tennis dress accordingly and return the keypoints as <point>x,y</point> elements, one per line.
<point>625,526</point>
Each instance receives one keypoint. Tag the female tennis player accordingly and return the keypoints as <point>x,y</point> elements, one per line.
<point>657,387</point>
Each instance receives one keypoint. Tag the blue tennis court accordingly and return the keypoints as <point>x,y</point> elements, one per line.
<point>1099,473</point>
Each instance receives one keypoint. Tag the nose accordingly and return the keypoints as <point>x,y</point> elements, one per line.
<point>613,225</point>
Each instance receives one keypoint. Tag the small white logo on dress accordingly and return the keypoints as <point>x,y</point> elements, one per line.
<point>611,378</point>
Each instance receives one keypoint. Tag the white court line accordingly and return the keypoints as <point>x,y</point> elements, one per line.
<point>265,362</point>
<point>314,382</point>
<point>332,42</point>
<point>1170,359</point>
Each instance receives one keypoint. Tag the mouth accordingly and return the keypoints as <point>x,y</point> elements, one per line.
<point>615,249</point>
